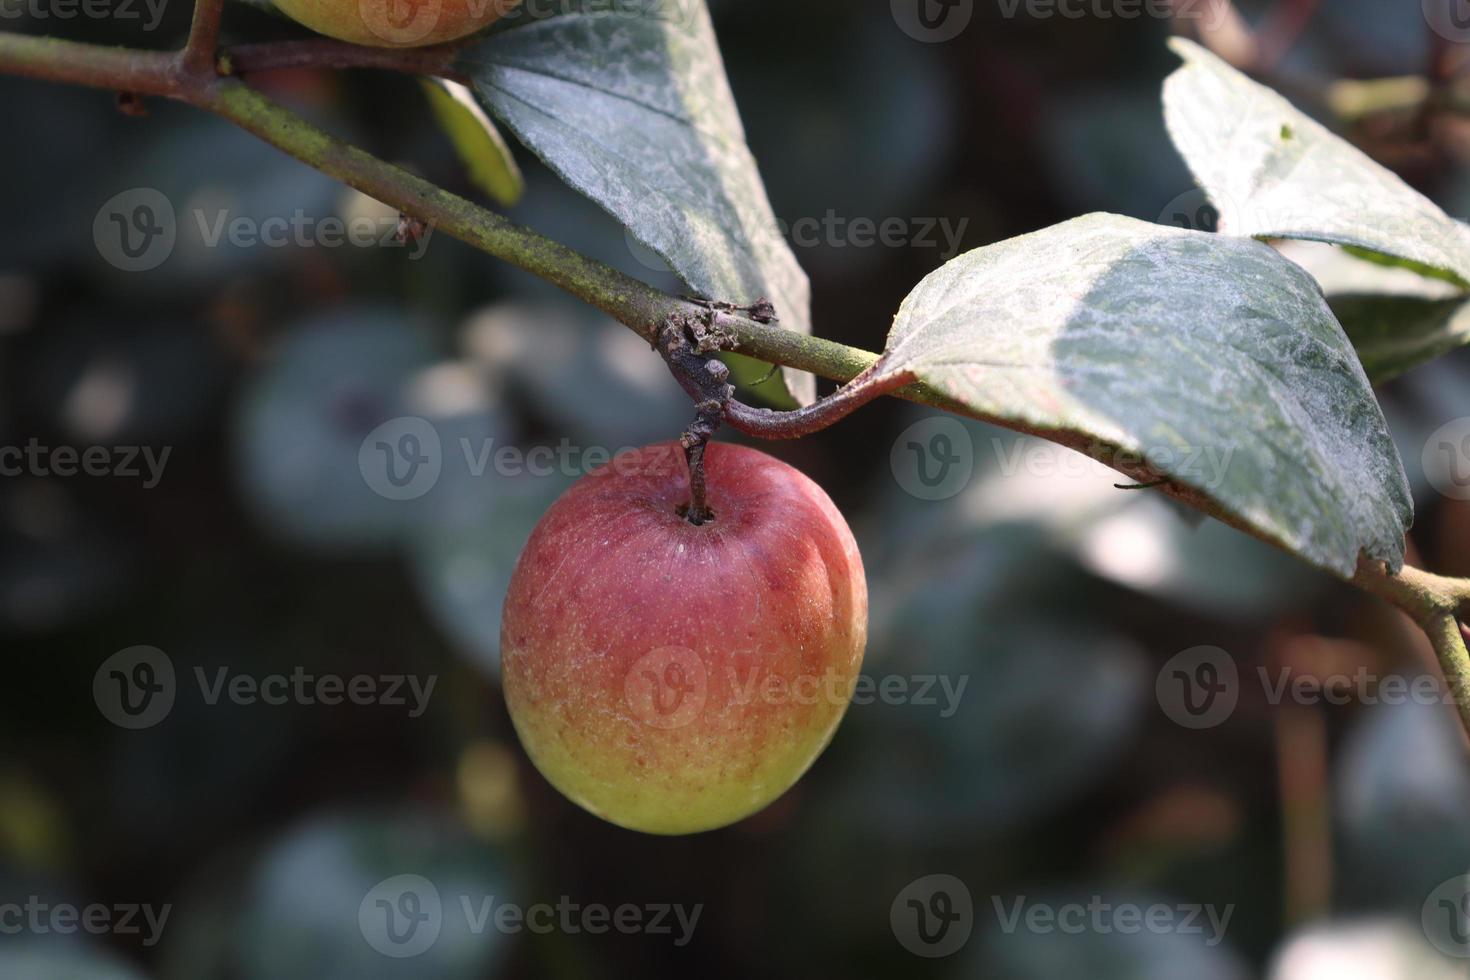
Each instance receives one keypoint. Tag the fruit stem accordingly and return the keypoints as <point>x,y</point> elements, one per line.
<point>767,423</point>
<point>707,381</point>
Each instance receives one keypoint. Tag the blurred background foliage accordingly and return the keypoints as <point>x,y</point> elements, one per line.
<point>1059,597</point>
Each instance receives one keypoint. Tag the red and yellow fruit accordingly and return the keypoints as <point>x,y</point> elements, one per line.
<point>672,678</point>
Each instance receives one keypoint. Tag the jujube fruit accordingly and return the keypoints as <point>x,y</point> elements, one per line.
<point>674,678</point>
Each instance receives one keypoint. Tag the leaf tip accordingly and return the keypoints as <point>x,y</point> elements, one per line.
<point>1186,49</point>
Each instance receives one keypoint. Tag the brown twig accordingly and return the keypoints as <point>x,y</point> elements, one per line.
<point>197,58</point>
<point>255,59</point>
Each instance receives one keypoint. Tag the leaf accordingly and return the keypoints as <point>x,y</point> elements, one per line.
<point>1274,172</point>
<point>633,109</point>
<point>1396,333</point>
<point>1396,319</point>
<point>1205,360</point>
<point>479,144</point>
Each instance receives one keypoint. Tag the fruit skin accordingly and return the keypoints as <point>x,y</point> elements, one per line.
<point>671,678</point>
<point>396,23</point>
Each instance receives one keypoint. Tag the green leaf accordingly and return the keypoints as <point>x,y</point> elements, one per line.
<point>1274,172</point>
<point>479,144</point>
<point>1395,318</point>
<point>632,108</point>
<point>1396,333</point>
<point>1207,361</point>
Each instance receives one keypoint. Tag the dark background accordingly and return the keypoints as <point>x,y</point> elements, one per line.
<point>1060,778</point>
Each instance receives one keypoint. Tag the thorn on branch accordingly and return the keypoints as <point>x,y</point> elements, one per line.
<point>761,311</point>
<point>131,104</point>
<point>410,229</point>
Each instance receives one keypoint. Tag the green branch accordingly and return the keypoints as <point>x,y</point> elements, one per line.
<point>629,300</point>
<point>1437,604</point>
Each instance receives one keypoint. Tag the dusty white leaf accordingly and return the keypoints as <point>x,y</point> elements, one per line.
<point>1274,172</point>
<point>1395,318</point>
<point>1209,360</point>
